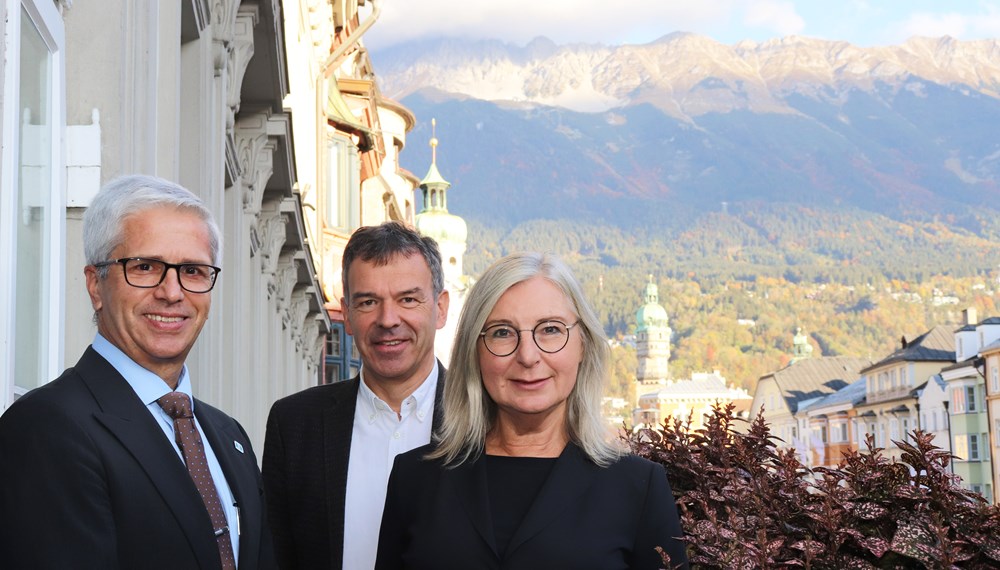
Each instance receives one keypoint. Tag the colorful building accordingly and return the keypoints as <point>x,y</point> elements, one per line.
<point>890,411</point>
<point>783,397</point>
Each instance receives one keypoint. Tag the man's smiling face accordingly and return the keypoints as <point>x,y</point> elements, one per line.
<point>156,327</point>
<point>393,314</point>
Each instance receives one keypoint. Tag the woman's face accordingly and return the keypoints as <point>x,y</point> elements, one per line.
<point>530,381</point>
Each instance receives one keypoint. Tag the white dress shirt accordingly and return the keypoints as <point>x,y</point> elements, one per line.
<point>378,436</point>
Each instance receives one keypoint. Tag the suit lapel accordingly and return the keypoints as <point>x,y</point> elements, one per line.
<point>570,478</point>
<point>127,418</point>
<point>338,426</point>
<point>223,436</point>
<point>470,484</point>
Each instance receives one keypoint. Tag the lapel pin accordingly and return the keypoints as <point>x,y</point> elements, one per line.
<point>238,446</point>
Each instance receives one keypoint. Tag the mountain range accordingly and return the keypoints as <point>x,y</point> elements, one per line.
<point>659,140</point>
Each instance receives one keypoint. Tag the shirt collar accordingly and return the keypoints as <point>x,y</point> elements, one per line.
<point>422,397</point>
<point>147,385</point>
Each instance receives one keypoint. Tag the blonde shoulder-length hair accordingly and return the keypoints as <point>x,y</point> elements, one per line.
<point>469,412</point>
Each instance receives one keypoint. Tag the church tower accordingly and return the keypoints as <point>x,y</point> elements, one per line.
<point>450,233</point>
<point>652,338</point>
<point>801,349</point>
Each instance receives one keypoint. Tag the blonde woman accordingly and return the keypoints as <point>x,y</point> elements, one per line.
<point>521,474</point>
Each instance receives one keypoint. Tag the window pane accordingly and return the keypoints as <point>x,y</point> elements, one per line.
<point>962,447</point>
<point>335,207</point>
<point>33,217</point>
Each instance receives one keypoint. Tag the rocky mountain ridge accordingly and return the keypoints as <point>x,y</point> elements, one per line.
<point>661,139</point>
<point>685,75</point>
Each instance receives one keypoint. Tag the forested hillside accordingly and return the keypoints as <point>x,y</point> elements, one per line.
<point>855,283</point>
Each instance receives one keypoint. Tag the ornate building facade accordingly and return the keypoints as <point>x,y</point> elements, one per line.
<point>266,109</point>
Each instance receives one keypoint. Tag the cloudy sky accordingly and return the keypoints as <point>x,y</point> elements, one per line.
<point>861,22</point>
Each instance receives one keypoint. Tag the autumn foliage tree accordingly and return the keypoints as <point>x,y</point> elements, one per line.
<point>745,503</point>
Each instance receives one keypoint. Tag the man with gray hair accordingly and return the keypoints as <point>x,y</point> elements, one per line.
<point>114,464</point>
<point>329,449</point>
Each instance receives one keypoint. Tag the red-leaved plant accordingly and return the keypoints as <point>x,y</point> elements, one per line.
<point>744,503</point>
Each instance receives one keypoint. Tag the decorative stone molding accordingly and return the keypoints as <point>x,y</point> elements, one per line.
<point>313,341</point>
<point>271,231</point>
<point>297,313</point>
<point>282,285</point>
<point>255,156</point>
<point>223,21</point>
<point>224,18</point>
<point>319,17</point>
<point>239,55</point>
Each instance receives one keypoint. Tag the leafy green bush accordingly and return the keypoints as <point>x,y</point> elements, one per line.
<point>744,503</point>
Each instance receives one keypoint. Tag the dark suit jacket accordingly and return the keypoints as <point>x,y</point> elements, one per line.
<point>584,516</point>
<point>306,451</point>
<point>88,480</point>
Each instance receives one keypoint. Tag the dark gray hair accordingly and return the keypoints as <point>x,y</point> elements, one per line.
<point>470,413</point>
<point>126,196</point>
<point>380,244</point>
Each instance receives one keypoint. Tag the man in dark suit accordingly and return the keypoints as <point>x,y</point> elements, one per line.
<point>329,449</point>
<point>105,467</point>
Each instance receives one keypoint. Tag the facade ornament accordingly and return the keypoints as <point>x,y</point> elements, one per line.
<point>223,16</point>
<point>255,156</point>
<point>297,313</point>
<point>242,49</point>
<point>282,284</point>
<point>271,228</point>
<point>314,354</point>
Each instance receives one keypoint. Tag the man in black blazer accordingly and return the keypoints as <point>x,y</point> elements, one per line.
<point>329,449</point>
<point>92,474</point>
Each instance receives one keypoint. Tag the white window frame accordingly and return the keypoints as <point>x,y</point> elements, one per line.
<point>975,450</point>
<point>49,23</point>
<point>343,192</point>
<point>971,405</point>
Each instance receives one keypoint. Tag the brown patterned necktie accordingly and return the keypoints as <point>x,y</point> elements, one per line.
<point>178,406</point>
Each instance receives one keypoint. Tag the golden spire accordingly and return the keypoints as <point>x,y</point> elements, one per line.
<point>434,141</point>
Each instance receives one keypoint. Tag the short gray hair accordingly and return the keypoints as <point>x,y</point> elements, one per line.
<point>470,413</point>
<point>380,244</point>
<point>126,196</point>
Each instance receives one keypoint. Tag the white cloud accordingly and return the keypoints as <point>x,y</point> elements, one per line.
<point>775,16</point>
<point>563,21</point>
<point>638,21</point>
<point>931,25</point>
<point>987,25</point>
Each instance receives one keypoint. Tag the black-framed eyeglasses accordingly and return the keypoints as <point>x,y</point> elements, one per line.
<point>549,337</point>
<point>147,273</point>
